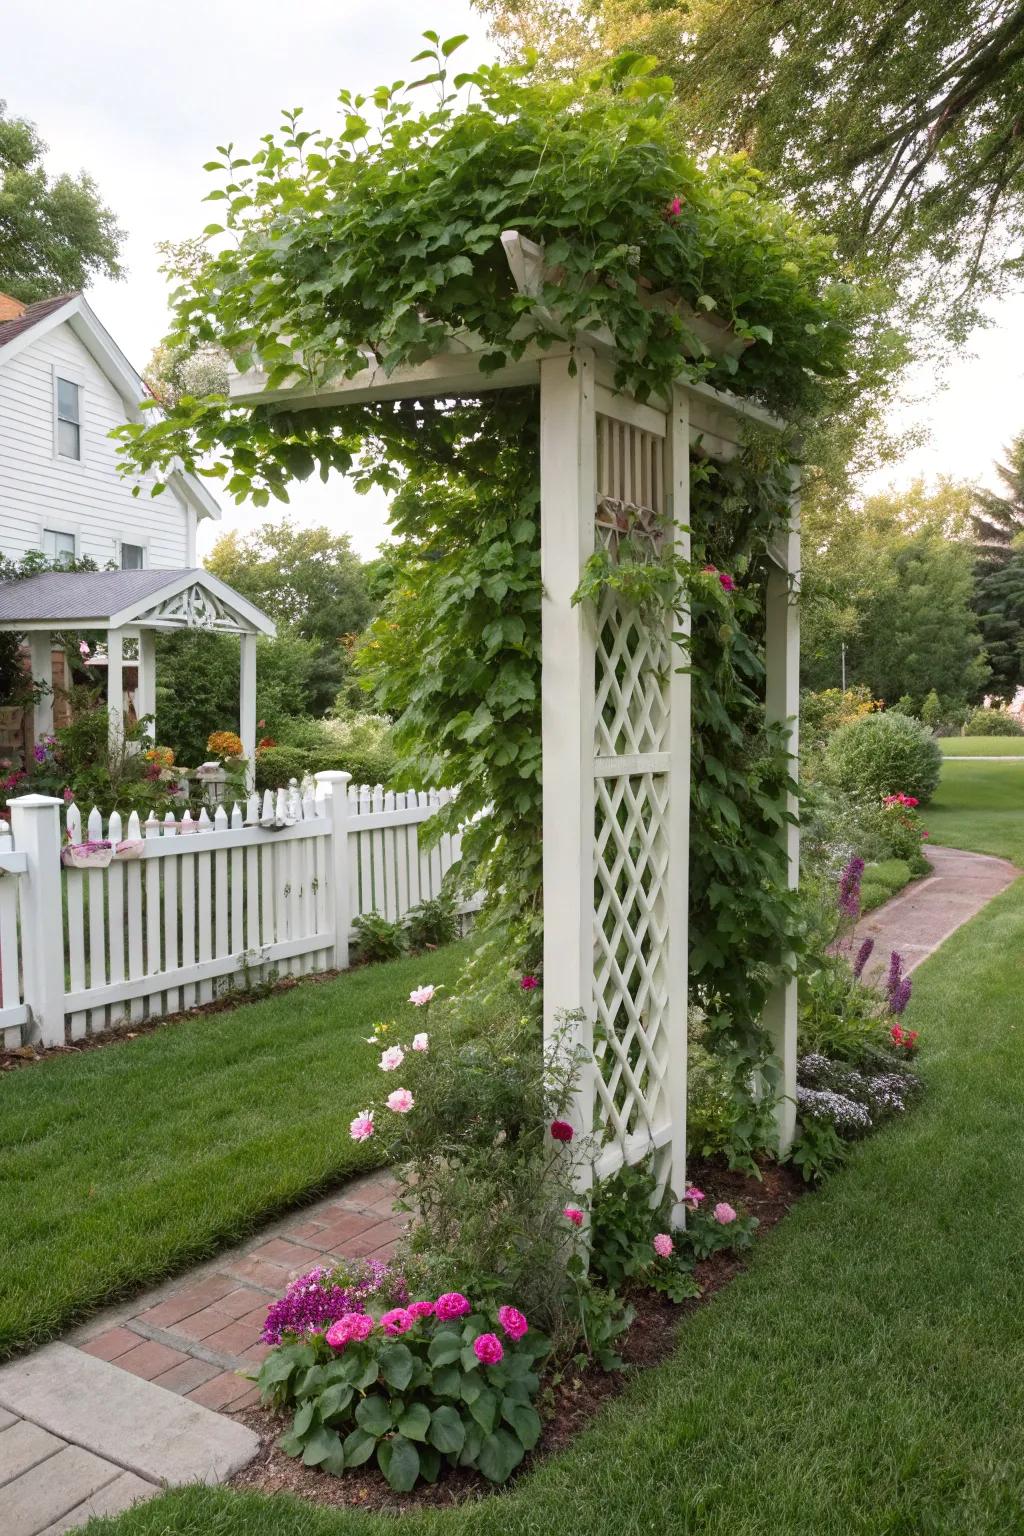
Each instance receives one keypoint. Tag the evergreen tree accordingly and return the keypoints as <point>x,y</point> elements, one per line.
<point>999,573</point>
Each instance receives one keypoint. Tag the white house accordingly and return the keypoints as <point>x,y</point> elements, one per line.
<point>64,383</point>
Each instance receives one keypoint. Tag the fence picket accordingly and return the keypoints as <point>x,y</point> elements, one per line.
<point>96,919</point>
<point>76,944</point>
<point>154,959</point>
<point>115,906</point>
<point>134,943</point>
<point>220,877</point>
<point>169,869</point>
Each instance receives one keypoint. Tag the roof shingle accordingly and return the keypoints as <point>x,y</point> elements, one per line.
<point>32,315</point>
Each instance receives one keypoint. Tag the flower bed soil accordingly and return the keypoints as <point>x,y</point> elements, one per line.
<point>568,1401</point>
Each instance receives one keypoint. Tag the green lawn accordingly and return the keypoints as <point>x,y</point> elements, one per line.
<point>982,746</point>
<point>122,1165</point>
<point>980,806</point>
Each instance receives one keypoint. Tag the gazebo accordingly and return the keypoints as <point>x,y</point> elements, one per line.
<point>616,714</point>
<point>131,605</point>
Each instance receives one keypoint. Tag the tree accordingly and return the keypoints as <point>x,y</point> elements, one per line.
<point>309,579</point>
<point>897,573</point>
<point>999,574</point>
<point>56,234</point>
<point>900,128</point>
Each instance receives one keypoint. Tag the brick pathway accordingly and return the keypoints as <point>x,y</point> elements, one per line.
<point>191,1336</point>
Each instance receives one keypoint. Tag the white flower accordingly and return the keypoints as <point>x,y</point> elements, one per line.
<point>392,1058</point>
<point>421,1042</point>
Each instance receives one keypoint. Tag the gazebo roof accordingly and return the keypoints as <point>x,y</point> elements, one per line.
<point>166,600</point>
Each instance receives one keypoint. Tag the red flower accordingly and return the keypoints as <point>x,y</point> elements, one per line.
<point>896,1034</point>
<point>725,580</point>
<point>561,1130</point>
<point>528,983</point>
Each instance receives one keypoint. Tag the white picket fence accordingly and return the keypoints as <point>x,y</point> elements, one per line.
<point>187,908</point>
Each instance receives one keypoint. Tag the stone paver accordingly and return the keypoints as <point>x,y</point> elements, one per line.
<point>22,1446</point>
<point>52,1489</point>
<point>112,1499</point>
<point>918,920</point>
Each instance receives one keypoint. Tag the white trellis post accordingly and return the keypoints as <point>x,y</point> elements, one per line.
<point>145,698</point>
<point>247,705</point>
<point>782,706</point>
<point>35,823</point>
<point>41,660</point>
<point>567,503</point>
<point>115,688</point>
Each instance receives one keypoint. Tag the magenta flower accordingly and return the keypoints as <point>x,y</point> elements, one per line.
<point>513,1322</point>
<point>452,1304</point>
<point>663,1246</point>
<point>693,1197</point>
<point>488,1349</point>
<point>561,1130</point>
<point>398,1320</point>
<point>418,1309</point>
<point>400,1102</point>
<point>361,1128</point>
<point>528,983</point>
<point>674,208</point>
<point>724,1213</point>
<point>355,1325</point>
<point>574,1214</point>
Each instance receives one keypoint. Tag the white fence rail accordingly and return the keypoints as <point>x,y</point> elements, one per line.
<point>145,920</point>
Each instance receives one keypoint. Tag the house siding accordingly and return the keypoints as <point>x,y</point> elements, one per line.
<point>86,497</point>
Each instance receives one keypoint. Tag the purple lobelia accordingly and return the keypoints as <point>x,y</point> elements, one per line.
<point>315,1300</point>
<point>900,996</point>
<point>895,975</point>
<point>863,956</point>
<point>849,888</point>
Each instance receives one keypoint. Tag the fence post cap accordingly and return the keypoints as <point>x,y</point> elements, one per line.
<point>333,776</point>
<point>35,802</point>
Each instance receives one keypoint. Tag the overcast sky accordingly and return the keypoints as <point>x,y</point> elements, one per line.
<point>141,95</point>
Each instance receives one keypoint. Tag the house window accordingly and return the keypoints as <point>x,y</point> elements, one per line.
<point>133,557</point>
<point>58,546</point>
<point>69,423</point>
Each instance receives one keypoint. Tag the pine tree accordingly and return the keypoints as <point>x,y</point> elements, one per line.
<point>999,574</point>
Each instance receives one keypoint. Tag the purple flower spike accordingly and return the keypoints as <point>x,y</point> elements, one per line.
<point>849,888</point>
<point>895,976</point>
<point>901,997</point>
<point>863,956</point>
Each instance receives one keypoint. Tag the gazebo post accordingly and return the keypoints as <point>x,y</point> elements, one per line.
<point>115,688</point>
<point>41,656</point>
<point>782,706</point>
<point>247,704</point>
<point>568,497</point>
<point>145,698</point>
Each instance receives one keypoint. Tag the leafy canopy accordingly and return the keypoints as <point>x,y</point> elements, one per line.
<point>55,232</point>
<point>309,579</point>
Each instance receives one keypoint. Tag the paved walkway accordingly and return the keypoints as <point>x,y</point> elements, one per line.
<point>917,921</point>
<point>142,1395</point>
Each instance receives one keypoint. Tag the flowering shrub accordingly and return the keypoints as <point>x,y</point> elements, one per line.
<point>323,1296</point>
<point>422,1385</point>
<point>849,1100</point>
<point>884,754</point>
<point>163,757</point>
<point>377,938</point>
<point>225,744</point>
<point>905,829</point>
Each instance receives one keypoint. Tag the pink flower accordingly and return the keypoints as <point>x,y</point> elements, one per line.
<point>419,1309</point>
<point>663,1246</point>
<point>421,1042</point>
<point>561,1130</point>
<point>392,1058</point>
<point>574,1214</point>
<point>513,1322</point>
<point>675,208</point>
<point>727,583</point>
<point>83,649</point>
<point>724,1213</point>
<point>451,1304</point>
<point>693,1196</point>
<point>354,1325</point>
<point>528,983</point>
<point>488,1349</point>
<point>398,1320</point>
<point>421,996</point>
<point>361,1128</point>
<point>400,1102</point>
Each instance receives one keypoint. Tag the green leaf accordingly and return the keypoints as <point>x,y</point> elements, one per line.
<point>430,1463</point>
<point>304,1417</point>
<point>335,1400</point>
<point>374,1414</point>
<point>415,1421</point>
<point>359,1447</point>
<point>447,1381</point>
<point>471,1387</point>
<point>447,1430</point>
<point>524,1420</point>
<point>320,1444</point>
<point>485,1409</point>
<point>399,1460</point>
<point>444,1348</point>
<point>396,1365</point>
<point>499,1456</point>
<point>449,46</point>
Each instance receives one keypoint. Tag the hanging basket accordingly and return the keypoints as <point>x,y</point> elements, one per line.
<point>87,855</point>
<point>129,848</point>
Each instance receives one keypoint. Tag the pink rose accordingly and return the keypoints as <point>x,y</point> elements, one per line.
<point>451,1304</point>
<point>724,1213</point>
<point>693,1196</point>
<point>421,1042</point>
<point>361,1128</point>
<point>419,1309</point>
<point>488,1350</point>
<point>561,1130</point>
<point>401,1101</point>
<point>360,1326</point>
<point>663,1246</point>
<point>392,1058</point>
<point>354,1325</point>
<point>398,1320</point>
<point>513,1322</point>
<point>574,1214</point>
<point>421,996</point>
<point>728,584</point>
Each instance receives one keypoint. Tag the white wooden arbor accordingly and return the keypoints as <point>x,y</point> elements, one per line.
<point>131,605</point>
<point>615,722</point>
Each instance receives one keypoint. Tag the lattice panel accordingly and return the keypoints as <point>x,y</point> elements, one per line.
<point>632,665</point>
<point>630,464</point>
<point>631,855</point>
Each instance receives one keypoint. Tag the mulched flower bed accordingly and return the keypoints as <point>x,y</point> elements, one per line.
<point>567,1404</point>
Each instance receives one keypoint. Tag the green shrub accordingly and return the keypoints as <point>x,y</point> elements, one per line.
<point>993,722</point>
<point>884,755</point>
<point>432,923</point>
<point>882,881</point>
<point>275,766</point>
<point>360,745</point>
<point>377,939</point>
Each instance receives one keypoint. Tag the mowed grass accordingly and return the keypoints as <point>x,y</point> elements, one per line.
<point>979,806</point>
<point>865,1377</point>
<point>982,746</point>
<point>124,1164</point>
